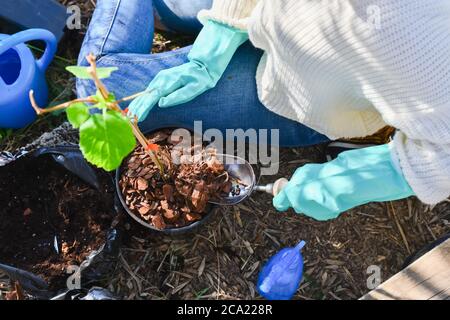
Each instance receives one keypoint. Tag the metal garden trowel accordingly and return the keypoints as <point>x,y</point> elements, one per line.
<point>243,180</point>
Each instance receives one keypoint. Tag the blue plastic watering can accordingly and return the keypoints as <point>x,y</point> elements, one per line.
<point>20,72</point>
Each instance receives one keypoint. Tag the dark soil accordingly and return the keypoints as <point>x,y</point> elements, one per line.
<point>180,197</point>
<point>40,200</point>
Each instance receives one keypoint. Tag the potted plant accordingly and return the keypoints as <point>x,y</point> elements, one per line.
<point>155,189</point>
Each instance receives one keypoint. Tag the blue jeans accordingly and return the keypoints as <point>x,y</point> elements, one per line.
<point>120,35</point>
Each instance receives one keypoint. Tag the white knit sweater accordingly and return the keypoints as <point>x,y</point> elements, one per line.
<point>346,68</point>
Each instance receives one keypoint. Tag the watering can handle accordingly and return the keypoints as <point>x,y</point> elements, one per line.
<point>30,35</point>
<point>2,83</point>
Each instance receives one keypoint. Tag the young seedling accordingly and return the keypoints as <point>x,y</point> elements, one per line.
<point>176,196</point>
<point>108,136</point>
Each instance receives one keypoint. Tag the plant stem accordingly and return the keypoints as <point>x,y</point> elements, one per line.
<point>134,96</point>
<point>115,106</point>
<point>112,105</point>
<point>93,71</point>
<point>61,106</point>
<point>144,142</point>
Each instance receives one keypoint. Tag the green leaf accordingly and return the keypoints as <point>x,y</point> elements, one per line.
<point>77,114</point>
<point>100,105</point>
<point>102,102</point>
<point>111,97</point>
<point>82,72</point>
<point>106,139</point>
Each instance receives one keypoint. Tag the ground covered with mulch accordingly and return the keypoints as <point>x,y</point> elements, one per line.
<point>221,260</point>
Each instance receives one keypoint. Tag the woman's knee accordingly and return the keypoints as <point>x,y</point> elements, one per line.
<point>119,26</point>
<point>135,71</point>
<point>179,15</point>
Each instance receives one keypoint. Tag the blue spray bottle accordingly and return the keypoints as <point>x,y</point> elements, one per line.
<point>281,276</point>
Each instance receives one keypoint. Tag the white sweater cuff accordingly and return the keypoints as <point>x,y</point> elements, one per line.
<point>425,167</point>
<point>234,13</point>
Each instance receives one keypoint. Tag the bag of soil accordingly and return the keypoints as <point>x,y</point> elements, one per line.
<point>57,218</point>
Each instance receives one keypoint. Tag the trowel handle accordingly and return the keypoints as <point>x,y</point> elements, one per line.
<point>273,188</point>
<point>279,185</point>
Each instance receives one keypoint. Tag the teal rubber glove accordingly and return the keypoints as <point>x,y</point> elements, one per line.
<point>209,57</point>
<point>356,177</point>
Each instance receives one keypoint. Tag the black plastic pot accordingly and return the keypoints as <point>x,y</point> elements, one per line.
<point>169,231</point>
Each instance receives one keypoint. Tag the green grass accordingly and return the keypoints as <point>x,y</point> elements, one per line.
<point>4,133</point>
<point>199,295</point>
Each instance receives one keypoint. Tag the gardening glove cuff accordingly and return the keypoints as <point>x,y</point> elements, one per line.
<point>356,177</point>
<point>215,46</point>
<point>208,59</point>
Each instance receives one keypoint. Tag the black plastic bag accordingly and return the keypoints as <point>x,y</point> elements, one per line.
<point>99,264</point>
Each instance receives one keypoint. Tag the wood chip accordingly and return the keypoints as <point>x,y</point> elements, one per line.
<point>144,210</point>
<point>192,216</point>
<point>202,267</point>
<point>158,222</point>
<point>168,192</point>
<point>142,184</point>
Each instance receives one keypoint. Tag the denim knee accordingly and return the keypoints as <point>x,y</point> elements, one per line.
<point>179,15</point>
<point>119,26</point>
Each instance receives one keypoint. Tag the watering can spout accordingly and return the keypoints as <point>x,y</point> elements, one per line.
<point>300,246</point>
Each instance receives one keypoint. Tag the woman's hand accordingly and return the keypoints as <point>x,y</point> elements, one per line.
<point>323,191</point>
<point>208,59</point>
<point>172,87</point>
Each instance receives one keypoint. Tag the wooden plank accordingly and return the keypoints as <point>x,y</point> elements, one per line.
<point>425,279</point>
<point>46,14</point>
<point>445,295</point>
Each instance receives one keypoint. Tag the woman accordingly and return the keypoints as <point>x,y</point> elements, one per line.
<point>328,70</point>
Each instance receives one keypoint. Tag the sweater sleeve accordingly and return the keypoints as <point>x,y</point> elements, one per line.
<point>231,12</point>
<point>425,165</point>
<point>410,86</point>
